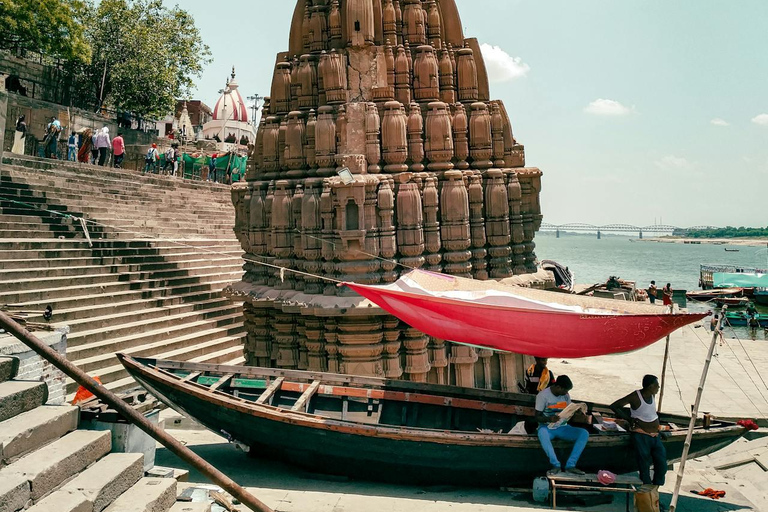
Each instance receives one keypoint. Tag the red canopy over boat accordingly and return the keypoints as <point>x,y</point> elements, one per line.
<point>522,320</point>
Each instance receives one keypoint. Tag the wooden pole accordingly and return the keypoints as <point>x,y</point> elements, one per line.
<point>129,413</point>
<point>694,415</point>
<point>664,366</point>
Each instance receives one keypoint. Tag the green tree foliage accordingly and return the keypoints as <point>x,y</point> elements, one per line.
<point>144,56</point>
<point>729,232</point>
<point>51,27</point>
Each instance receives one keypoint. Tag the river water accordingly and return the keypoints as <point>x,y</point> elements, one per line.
<point>594,261</point>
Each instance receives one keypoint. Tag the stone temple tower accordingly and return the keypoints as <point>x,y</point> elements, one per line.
<point>393,91</point>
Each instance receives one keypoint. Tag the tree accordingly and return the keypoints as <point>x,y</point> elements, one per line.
<point>144,56</point>
<point>51,27</point>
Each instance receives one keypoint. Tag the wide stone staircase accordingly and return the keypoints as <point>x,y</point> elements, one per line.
<point>48,465</point>
<point>149,282</point>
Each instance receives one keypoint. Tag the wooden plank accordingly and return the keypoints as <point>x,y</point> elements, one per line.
<point>267,394</point>
<point>303,401</point>
<point>191,376</point>
<point>222,381</point>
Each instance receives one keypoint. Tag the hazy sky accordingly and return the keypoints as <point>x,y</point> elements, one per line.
<point>635,110</point>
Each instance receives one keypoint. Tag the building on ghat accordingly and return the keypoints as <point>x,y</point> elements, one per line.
<point>393,91</point>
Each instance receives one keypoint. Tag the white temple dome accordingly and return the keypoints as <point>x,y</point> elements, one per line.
<point>231,106</point>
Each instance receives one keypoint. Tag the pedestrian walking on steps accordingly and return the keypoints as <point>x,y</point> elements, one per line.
<point>51,139</point>
<point>118,150</point>
<point>151,161</point>
<point>212,171</point>
<point>103,144</point>
<point>20,137</point>
<point>72,148</point>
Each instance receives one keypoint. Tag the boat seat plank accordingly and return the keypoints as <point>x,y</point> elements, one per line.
<point>267,394</point>
<point>303,401</point>
<point>222,381</point>
<point>191,377</point>
<point>248,383</point>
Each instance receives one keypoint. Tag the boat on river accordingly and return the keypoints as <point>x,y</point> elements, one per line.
<point>718,293</point>
<point>388,430</point>
<point>761,296</point>
<point>732,302</point>
<point>742,318</point>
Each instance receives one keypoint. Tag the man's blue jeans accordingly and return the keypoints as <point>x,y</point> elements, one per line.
<point>72,154</point>
<point>578,436</point>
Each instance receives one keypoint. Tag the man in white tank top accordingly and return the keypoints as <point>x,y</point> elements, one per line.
<point>644,430</point>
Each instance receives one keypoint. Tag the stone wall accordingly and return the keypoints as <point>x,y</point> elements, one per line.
<point>35,368</point>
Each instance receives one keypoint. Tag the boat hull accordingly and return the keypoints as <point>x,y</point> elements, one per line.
<point>395,454</point>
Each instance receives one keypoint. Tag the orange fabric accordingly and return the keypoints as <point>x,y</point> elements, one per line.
<point>83,394</point>
<point>711,493</point>
<point>543,379</point>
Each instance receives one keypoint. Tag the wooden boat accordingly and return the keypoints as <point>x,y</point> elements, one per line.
<point>732,302</point>
<point>761,296</point>
<point>384,429</point>
<point>731,250</point>
<point>741,319</point>
<point>717,293</point>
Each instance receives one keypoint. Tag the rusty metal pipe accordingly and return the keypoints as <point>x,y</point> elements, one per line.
<point>160,435</point>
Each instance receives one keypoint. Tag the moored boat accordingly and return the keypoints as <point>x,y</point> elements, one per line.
<point>732,302</point>
<point>719,293</point>
<point>761,296</point>
<point>387,430</point>
<point>741,319</point>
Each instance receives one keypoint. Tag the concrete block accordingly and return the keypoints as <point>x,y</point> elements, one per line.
<point>8,368</point>
<point>148,495</point>
<point>51,465</point>
<point>17,397</point>
<point>110,477</point>
<point>191,507</point>
<point>14,492</point>
<point>34,428</point>
<point>62,501</point>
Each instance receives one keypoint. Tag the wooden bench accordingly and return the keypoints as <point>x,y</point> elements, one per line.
<point>589,482</point>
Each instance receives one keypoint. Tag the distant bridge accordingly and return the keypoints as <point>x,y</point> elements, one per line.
<point>618,228</point>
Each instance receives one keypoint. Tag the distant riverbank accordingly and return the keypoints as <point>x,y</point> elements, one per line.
<point>747,242</point>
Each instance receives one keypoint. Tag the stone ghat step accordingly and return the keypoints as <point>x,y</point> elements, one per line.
<point>209,345</point>
<point>114,322</point>
<point>47,468</point>
<point>7,274</point>
<point>37,427</point>
<point>106,480</point>
<point>147,495</point>
<point>18,396</point>
<point>66,301</point>
<point>14,284</point>
<point>25,185</point>
<point>127,245</point>
<point>21,261</point>
<point>9,368</point>
<point>45,295</point>
<point>229,355</point>
<point>96,312</point>
<point>82,343</point>
<point>37,166</point>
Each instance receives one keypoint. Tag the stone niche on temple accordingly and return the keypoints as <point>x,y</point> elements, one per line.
<point>393,91</point>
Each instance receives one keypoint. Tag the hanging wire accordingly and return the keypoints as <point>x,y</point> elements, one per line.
<point>748,356</point>
<point>677,384</point>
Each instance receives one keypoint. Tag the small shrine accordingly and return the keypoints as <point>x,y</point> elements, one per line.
<point>393,92</point>
<point>230,125</point>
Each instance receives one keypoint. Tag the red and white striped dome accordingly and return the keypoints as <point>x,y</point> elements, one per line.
<point>231,106</point>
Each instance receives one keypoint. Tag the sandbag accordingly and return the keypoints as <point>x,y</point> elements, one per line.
<point>647,501</point>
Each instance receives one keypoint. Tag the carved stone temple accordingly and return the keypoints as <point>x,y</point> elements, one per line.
<point>393,91</point>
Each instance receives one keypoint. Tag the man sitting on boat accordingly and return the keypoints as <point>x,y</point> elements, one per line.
<point>537,377</point>
<point>644,430</point>
<point>549,404</point>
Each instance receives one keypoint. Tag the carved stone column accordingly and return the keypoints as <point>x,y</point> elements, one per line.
<point>434,28</point>
<point>477,227</point>
<point>359,16</point>
<point>271,147</point>
<point>467,75</point>
<point>281,89</point>
<point>372,133</point>
<point>426,77</point>
<point>463,359</point>
<point>497,132</point>
<point>514,192</point>
<point>480,140</point>
<point>334,24</point>
<point>438,357</point>
<point>497,224</point>
<point>388,242</point>
<point>311,150</point>
<point>389,21</point>
<point>332,345</point>
<point>320,31</point>
<point>295,85</point>
<point>282,233</point>
<point>317,359</point>
<point>414,22</point>
<point>360,345</point>
<point>391,355</point>
<point>399,18</point>
<point>510,365</point>
<point>298,249</point>
<point>281,139</point>
<point>485,356</point>
<point>394,137</point>
<point>415,138</point>
<point>455,225</point>
<point>439,141</point>
<point>311,235</point>
<point>461,136</point>
<point>432,243</point>
<point>325,142</point>
<point>416,354</point>
<point>402,77</point>
<point>389,55</point>
<point>335,77</point>
<point>410,234</point>
<point>447,87</point>
<point>287,340</point>
<point>259,341</point>
<point>307,83</point>
<point>295,142</point>
<point>303,350</point>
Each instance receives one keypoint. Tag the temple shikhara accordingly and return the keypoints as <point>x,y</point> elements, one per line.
<point>393,91</point>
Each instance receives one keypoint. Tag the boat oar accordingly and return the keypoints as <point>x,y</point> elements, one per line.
<point>160,435</point>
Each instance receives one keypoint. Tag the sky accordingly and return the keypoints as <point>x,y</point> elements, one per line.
<point>638,112</point>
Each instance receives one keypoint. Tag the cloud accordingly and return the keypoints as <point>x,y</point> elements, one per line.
<point>502,67</point>
<point>673,162</point>
<point>602,107</point>
<point>762,119</point>
<point>720,122</point>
